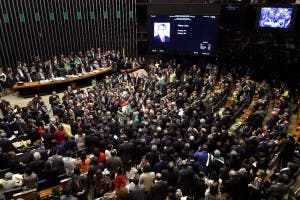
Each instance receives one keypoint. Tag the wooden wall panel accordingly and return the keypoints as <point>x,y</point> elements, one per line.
<point>30,28</point>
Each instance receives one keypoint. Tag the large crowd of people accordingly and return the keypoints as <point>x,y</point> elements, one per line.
<point>163,135</point>
<point>64,65</point>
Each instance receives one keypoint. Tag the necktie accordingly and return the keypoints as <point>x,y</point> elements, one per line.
<point>163,39</point>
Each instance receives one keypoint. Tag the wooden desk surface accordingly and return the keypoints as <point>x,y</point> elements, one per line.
<point>244,116</point>
<point>29,194</point>
<point>130,69</point>
<point>46,192</point>
<point>35,84</point>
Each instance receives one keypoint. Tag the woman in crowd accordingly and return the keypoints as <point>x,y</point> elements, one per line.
<point>59,134</point>
<point>84,162</point>
<point>120,179</point>
<point>79,139</point>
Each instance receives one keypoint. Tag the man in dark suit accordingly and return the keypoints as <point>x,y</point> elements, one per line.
<point>170,174</point>
<point>41,75</point>
<point>20,72</point>
<point>53,98</point>
<point>159,189</point>
<point>57,161</point>
<point>5,144</point>
<point>278,189</point>
<point>185,178</point>
<point>91,142</point>
<point>29,77</point>
<point>126,151</point>
<point>113,163</point>
<point>137,192</point>
<point>231,186</point>
<point>161,164</point>
<point>37,164</point>
<point>162,36</point>
<point>217,162</point>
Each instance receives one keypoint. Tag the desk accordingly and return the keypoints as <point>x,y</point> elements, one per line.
<point>129,70</point>
<point>45,193</point>
<point>21,143</point>
<point>245,115</point>
<point>29,194</point>
<point>36,85</point>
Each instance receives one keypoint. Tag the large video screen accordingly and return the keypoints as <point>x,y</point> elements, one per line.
<point>182,34</point>
<point>275,17</point>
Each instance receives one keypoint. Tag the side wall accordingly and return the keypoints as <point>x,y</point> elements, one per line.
<point>52,27</point>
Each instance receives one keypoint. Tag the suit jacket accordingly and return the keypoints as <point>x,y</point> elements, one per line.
<point>113,164</point>
<point>51,175</point>
<point>21,73</point>
<point>48,137</point>
<point>53,98</point>
<point>91,141</point>
<point>152,157</point>
<point>30,182</point>
<point>159,166</point>
<point>69,164</point>
<point>57,162</point>
<point>37,166</point>
<point>126,151</point>
<point>202,157</point>
<point>146,179</point>
<point>137,193</point>
<point>14,165</point>
<point>185,178</point>
<point>171,175</point>
<point>40,76</point>
<point>231,186</point>
<point>3,161</point>
<point>29,78</point>
<point>277,191</point>
<point>158,191</point>
<point>6,145</point>
<point>157,38</point>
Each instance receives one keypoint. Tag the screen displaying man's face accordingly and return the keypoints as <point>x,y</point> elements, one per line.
<point>161,29</point>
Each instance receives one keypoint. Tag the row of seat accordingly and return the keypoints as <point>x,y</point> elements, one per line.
<point>43,194</point>
<point>43,190</point>
<point>241,120</point>
<point>273,163</point>
<point>130,69</point>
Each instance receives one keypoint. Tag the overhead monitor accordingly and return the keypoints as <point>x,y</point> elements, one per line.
<point>183,34</point>
<point>276,17</point>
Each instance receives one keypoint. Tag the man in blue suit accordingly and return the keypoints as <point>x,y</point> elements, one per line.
<point>162,36</point>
